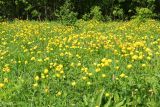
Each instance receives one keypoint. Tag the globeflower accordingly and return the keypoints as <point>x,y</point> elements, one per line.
<point>6,69</point>
<point>33,58</point>
<point>73,83</point>
<point>35,85</point>
<point>134,57</point>
<point>122,75</point>
<point>129,66</point>
<point>98,69</point>
<point>46,71</point>
<point>149,58</point>
<point>36,78</point>
<point>107,94</point>
<point>117,67</point>
<point>143,65</point>
<point>103,75</point>
<point>1,85</point>
<point>6,80</point>
<point>59,93</point>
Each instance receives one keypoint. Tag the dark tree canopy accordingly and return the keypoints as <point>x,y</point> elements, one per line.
<point>45,9</point>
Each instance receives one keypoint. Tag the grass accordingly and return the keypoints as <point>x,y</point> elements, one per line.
<point>92,64</point>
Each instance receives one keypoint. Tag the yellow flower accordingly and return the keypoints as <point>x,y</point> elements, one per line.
<point>51,64</point>
<point>46,71</point>
<point>61,72</point>
<point>36,78</point>
<point>6,69</point>
<point>79,64</point>
<point>134,57</point>
<point>90,74</point>
<point>43,76</point>
<point>129,66</point>
<point>46,76</point>
<point>59,93</point>
<point>33,58</point>
<point>140,57</point>
<point>88,83</point>
<point>59,67</point>
<point>46,90</point>
<point>103,60</point>
<point>46,59</point>
<point>84,78</point>
<point>103,75</point>
<point>98,69</point>
<point>109,60</point>
<point>25,62</point>
<point>58,75</point>
<point>35,85</point>
<point>106,63</point>
<point>40,60</point>
<point>72,64</point>
<point>6,80</point>
<point>122,75</point>
<point>1,85</point>
<point>117,67</point>
<point>149,58</point>
<point>73,83</point>
<point>107,94</point>
<point>143,65</point>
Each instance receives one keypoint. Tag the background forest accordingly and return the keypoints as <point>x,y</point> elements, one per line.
<point>71,10</point>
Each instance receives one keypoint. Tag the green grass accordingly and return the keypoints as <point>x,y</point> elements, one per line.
<point>91,64</point>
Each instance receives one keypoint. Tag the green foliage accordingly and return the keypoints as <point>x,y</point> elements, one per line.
<point>96,13</point>
<point>86,9</point>
<point>99,98</point>
<point>142,15</point>
<point>35,13</point>
<point>86,16</point>
<point>65,14</point>
<point>118,12</point>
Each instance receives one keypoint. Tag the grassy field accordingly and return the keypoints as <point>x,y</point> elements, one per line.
<point>91,64</point>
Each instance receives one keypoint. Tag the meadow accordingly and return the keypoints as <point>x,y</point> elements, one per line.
<point>91,64</point>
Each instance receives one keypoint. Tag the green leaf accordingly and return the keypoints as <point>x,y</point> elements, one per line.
<point>99,98</point>
<point>92,102</point>
<point>108,102</point>
<point>120,103</point>
<point>116,97</point>
<point>85,100</point>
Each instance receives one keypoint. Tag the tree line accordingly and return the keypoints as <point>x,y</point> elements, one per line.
<point>78,9</point>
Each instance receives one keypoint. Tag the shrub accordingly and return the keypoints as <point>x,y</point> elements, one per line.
<point>65,14</point>
<point>86,16</point>
<point>143,13</point>
<point>96,13</point>
<point>118,12</point>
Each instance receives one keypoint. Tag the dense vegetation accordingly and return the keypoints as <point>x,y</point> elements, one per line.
<point>87,9</point>
<point>91,64</point>
<point>60,53</point>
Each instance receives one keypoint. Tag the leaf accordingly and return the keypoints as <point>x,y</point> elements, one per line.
<point>108,103</point>
<point>85,100</point>
<point>120,103</point>
<point>116,97</point>
<point>99,98</point>
<point>92,102</point>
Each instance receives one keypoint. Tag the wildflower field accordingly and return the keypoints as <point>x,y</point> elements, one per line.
<point>91,64</point>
